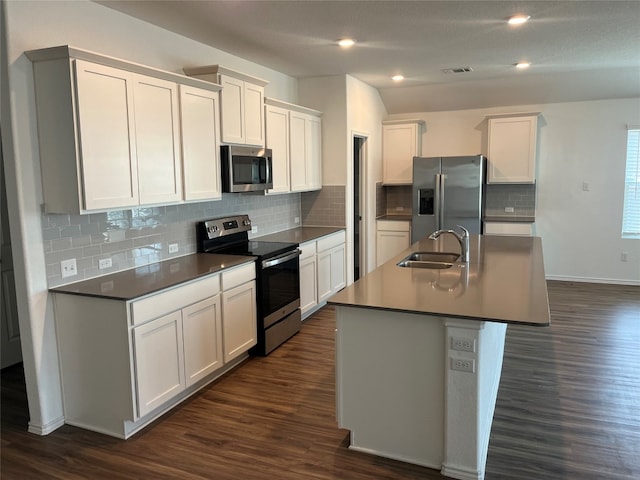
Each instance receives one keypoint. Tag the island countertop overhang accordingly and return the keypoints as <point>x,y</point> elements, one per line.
<point>503,281</point>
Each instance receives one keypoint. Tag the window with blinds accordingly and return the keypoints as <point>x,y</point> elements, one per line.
<point>631,210</point>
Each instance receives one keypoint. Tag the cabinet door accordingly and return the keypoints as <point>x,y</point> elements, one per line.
<point>512,149</point>
<point>232,107</point>
<point>239,320</point>
<point>159,361</point>
<point>108,161</point>
<point>314,154</point>
<point>324,276</point>
<point>277,127</point>
<point>298,137</point>
<point>157,140</point>
<point>200,145</point>
<point>202,332</point>
<point>254,114</point>
<point>338,273</point>
<point>400,143</point>
<point>308,284</point>
<point>390,244</point>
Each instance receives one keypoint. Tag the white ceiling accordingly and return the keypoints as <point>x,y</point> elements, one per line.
<point>579,50</point>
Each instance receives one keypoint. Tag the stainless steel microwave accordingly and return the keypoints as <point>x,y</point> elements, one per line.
<point>246,169</point>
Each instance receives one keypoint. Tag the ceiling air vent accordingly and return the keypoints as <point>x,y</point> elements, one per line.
<point>458,70</point>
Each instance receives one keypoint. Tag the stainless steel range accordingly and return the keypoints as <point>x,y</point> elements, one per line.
<point>277,276</point>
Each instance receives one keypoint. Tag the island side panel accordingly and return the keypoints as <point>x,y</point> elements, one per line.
<point>470,395</point>
<point>390,383</point>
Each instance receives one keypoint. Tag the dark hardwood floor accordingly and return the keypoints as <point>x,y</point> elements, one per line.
<point>568,408</point>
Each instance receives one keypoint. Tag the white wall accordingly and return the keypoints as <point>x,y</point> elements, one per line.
<point>577,142</point>
<point>349,107</point>
<point>87,25</point>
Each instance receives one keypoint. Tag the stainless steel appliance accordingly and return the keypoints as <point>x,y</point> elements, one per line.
<point>277,276</point>
<point>447,191</point>
<point>246,169</point>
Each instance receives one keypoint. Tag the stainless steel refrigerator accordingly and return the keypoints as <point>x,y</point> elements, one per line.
<point>447,191</point>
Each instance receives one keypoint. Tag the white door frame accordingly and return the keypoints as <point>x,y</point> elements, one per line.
<point>364,203</point>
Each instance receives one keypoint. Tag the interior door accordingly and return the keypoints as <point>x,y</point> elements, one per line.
<point>10,349</point>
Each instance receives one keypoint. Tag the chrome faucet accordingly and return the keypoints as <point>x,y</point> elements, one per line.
<point>462,239</point>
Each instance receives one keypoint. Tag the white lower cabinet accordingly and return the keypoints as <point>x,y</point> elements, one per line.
<point>392,236</point>
<point>239,324</point>
<point>202,337</point>
<point>322,270</point>
<point>308,277</point>
<point>124,363</point>
<point>159,361</point>
<point>331,265</point>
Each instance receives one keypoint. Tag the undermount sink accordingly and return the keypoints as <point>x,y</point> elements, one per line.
<point>433,260</point>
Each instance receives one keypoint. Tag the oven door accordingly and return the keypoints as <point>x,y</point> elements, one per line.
<point>279,286</point>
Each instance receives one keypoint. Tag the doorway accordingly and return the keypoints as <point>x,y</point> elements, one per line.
<point>359,194</point>
<point>10,351</point>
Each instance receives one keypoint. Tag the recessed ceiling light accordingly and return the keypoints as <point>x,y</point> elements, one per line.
<point>397,78</point>
<point>346,42</point>
<point>518,19</point>
<point>522,65</point>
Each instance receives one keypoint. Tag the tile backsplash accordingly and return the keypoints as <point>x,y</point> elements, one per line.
<point>521,197</point>
<point>140,236</point>
<point>326,207</point>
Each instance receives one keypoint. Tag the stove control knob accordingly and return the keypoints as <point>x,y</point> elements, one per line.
<point>246,223</point>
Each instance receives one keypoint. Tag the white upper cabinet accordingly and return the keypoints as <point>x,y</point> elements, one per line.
<point>106,166</point>
<point>277,135</point>
<point>157,140</point>
<point>241,103</point>
<point>200,144</point>
<point>294,134</point>
<point>109,131</point>
<point>401,141</point>
<point>511,154</point>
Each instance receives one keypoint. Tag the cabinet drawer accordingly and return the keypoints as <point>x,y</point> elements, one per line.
<point>394,225</point>
<point>167,301</point>
<point>238,275</point>
<point>520,229</point>
<point>330,241</point>
<point>307,250</point>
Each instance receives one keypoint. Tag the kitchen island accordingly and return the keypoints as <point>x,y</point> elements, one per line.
<point>419,351</point>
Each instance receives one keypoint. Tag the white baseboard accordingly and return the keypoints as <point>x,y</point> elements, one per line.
<point>461,473</point>
<point>47,428</point>
<point>610,281</point>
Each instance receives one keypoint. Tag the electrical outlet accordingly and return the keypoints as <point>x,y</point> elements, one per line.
<point>399,209</point>
<point>69,268</point>
<point>623,256</point>
<point>254,229</point>
<point>463,344</point>
<point>173,248</point>
<point>463,364</point>
<point>296,220</point>
<point>509,210</point>
<point>104,263</point>
<point>585,186</point>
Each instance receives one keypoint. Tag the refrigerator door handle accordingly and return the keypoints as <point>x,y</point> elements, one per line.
<point>441,202</point>
<point>438,200</point>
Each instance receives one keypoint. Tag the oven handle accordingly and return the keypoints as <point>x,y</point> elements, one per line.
<point>285,257</point>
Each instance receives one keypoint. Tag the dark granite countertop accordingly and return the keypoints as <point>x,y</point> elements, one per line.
<point>394,217</point>
<point>503,281</point>
<point>299,234</point>
<point>508,219</point>
<point>137,282</point>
